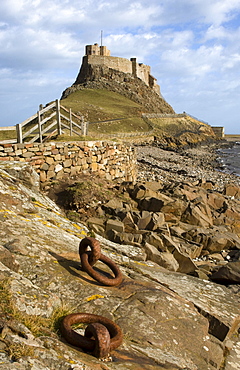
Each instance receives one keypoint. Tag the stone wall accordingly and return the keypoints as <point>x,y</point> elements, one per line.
<point>120,64</point>
<point>138,70</point>
<point>57,160</point>
<point>218,131</point>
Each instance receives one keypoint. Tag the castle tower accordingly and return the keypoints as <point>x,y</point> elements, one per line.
<point>96,57</point>
<point>97,50</point>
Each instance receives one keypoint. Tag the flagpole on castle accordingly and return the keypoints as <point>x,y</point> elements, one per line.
<point>101,37</point>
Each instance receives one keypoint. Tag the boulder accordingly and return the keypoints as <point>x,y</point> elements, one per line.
<point>232,190</point>
<point>201,274</point>
<point>97,225</point>
<point>228,274</point>
<point>151,221</point>
<point>218,242</point>
<point>217,201</point>
<point>198,235</point>
<point>124,238</point>
<point>127,218</point>
<point>142,191</point>
<point>144,221</point>
<point>8,260</point>
<point>176,208</point>
<point>155,240</point>
<point>157,221</point>
<point>186,265</point>
<point>192,249</point>
<point>151,204</point>
<point>114,203</point>
<point>195,216</point>
<point>113,206</point>
<point>114,225</point>
<point>164,259</point>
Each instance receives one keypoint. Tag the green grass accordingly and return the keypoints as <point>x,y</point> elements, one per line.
<point>104,105</point>
<point>176,125</point>
<point>110,113</point>
<point>37,324</point>
<point>8,135</point>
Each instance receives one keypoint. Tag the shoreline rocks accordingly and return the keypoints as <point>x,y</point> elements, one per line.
<point>169,319</point>
<point>181,209</point>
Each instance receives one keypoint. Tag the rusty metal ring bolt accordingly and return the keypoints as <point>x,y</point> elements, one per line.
<point>88,259</point>
<point>100,338</point>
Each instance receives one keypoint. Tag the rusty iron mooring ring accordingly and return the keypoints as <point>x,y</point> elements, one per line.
<point>107,335</point>
<point>88,259</point>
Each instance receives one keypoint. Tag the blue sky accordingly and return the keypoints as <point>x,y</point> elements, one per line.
<point>192,46</point>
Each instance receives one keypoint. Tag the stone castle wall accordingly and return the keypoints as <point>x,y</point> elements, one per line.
<point>119,64</point>
<point>56,160</point>
<point>96,55</point>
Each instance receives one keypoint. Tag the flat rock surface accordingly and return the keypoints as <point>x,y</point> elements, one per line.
<point>167,318</point>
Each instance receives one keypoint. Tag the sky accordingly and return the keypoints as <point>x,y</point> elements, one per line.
<point>192,47</point>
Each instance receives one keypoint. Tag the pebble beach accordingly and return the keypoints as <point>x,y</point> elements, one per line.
<point>191,164</point>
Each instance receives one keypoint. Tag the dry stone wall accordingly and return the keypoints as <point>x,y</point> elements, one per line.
<point>56,160</point>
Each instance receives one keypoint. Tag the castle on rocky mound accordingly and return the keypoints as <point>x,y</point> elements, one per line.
<point>96,55</point>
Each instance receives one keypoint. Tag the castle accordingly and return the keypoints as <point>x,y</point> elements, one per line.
<point>96,55</point>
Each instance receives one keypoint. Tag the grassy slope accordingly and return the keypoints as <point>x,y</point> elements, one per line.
<point>104,105</point>
<point>109,113</point>
<point>178,125</point>
<point>8,135</point>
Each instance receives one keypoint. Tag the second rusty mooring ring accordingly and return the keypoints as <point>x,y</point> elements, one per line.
<point>107,335</point>
<point>88,259</point>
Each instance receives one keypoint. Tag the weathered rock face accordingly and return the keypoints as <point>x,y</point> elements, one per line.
<point>189,221</point>
<point>101,77</point>
<point>169,320</point>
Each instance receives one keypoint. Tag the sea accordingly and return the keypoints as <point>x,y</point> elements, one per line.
<point>229,158</point>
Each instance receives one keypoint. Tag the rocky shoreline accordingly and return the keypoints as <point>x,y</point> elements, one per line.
<point>168,237</point>
<point>190,164</point>
<point>183,212</point>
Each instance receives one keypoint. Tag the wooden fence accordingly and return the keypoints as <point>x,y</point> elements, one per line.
<point>48,121</point>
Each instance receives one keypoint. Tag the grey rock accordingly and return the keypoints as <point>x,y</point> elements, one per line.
<point>23,172</point>
<point>144,221</point>
<point>8,260</point>
<point>18,245</point>
<point>151,204</point>
<point>228,274</point>
<point>164,259</point>
<point>168,318</point>
<point>114,225</point>
<point>205,296</point>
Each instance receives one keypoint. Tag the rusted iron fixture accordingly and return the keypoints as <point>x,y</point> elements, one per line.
<point>101,336</point>
<point>89,258</point>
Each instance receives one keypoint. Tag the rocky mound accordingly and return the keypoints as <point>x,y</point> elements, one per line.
<point>169,320</point>
<point>101,77</point>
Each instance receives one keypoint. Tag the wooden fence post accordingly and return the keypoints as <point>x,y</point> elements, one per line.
<point>84,126</point>
<point>19,133</point>
<point>39,126</point>
<point>70,118</point>
<point>58,117</point>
